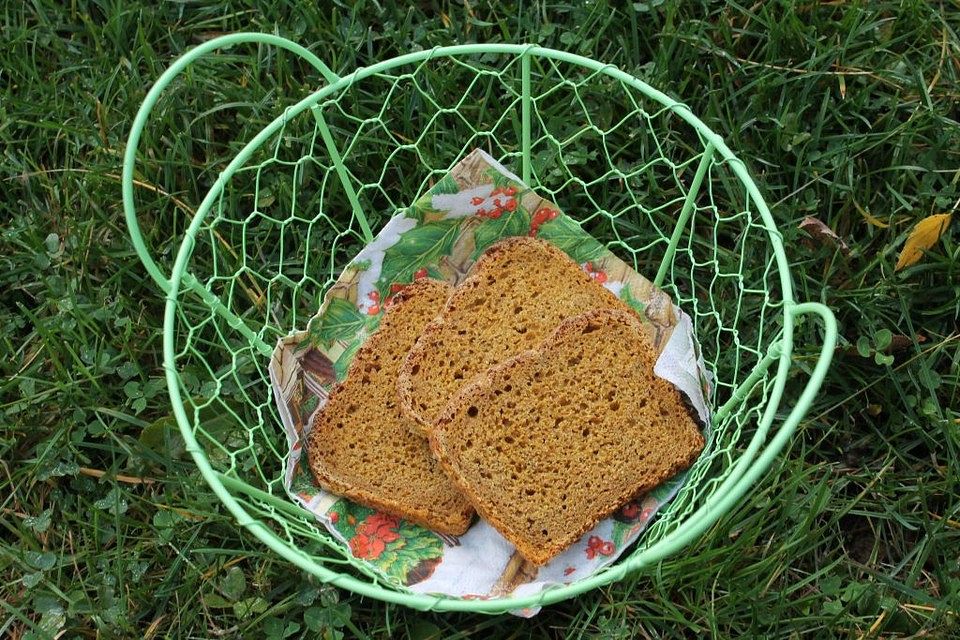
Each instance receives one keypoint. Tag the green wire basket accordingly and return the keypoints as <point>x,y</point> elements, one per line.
<point>637,169</point>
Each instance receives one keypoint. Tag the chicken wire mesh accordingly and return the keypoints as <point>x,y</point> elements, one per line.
<point>638,171</point>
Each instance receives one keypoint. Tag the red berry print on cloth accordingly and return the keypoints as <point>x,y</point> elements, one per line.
<point>380,525</point>
<point>334,517</point>
<point>541,216</point>
<point>366,548</point>
<point>598,546</point>
<point>501,200</point>
<point>597,274</point>
<point>569,570</point>
<point>420,274</point>
<point>373,535</point>
<point>630,510</point>
<point>374,308</point>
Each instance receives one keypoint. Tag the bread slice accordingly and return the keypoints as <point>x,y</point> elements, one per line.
<point>361,446</point>
<point>514,297</point>
<point>553,440</point>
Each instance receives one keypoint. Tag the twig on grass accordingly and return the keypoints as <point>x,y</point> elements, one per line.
<point>97,473</point>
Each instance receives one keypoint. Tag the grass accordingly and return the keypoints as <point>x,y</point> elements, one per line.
<point>845,111</point>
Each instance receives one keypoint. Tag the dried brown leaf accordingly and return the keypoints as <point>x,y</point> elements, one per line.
<point>898,343</point>
<point>822,234</point>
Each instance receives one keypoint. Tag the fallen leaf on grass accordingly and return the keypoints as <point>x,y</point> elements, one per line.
<point>923,236</point>
<point>871,219</point>
<point>823,234</point>
<point>898,342</point>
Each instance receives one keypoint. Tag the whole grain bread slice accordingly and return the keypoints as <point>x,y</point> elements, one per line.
<point>361,446</point>
<point>515,296</point>
<point>553,440</point>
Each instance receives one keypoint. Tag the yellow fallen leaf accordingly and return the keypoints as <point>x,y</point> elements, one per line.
<point>923,236</point>
<point>872,219</point>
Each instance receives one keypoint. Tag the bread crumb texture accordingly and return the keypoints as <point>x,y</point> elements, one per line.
<point>516,295</point>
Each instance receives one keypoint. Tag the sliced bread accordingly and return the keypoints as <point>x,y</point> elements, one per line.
<point>550,442</point>
<point>361,446</point>
<point>515,296</point>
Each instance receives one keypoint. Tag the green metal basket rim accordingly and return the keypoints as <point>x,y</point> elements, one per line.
<point>747,469</point>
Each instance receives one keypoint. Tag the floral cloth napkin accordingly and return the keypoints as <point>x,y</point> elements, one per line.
<point>441,235</point>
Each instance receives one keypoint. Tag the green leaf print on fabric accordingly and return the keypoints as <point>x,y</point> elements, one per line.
<point>341,321</point>
<point>446,185</point>
<point>490,231</point>
<point>567,235</point>
<point>627,296</point>
<point>419,210</point>
<point>302,481</point>
<point>343,362</point>
<point>414,548</point>
<point>345,515</point>
<point>416,248</point>
<point>500,180</point>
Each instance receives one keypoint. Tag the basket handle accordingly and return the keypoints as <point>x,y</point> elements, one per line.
<point>727,496</point>
<point>783,434</point>
<point>725,499</point>
<point>140,121</point>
